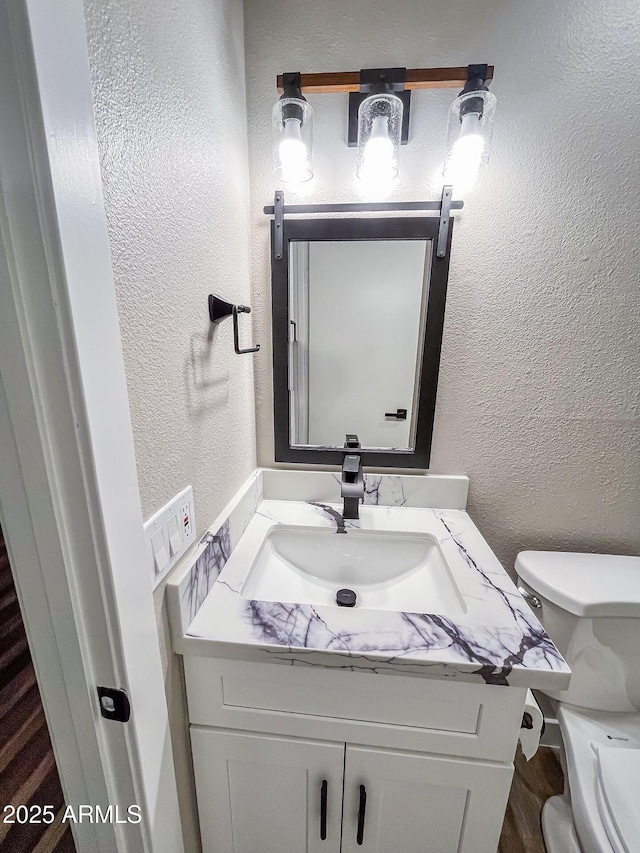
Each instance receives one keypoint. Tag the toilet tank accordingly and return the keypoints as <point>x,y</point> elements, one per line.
<point>590,607</point>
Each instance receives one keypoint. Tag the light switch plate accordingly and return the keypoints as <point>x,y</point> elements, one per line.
<point>159,551</point>
<point>169,533</point>
<point>175,539</point>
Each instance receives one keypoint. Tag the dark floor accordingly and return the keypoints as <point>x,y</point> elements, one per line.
<point>28,773</point>
<point>533,782</point>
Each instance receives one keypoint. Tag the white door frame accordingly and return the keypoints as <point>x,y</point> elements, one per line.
<point>69,500</point>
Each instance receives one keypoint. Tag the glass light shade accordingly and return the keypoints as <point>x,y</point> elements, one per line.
<point>379,131</point>
<point>468,138</point>
<point>292,140</point>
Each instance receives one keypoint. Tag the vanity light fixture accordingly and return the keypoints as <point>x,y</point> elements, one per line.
<point>470,130</point>
<point>381,105</point>
<point>379,102</point>
<point>292,134</point>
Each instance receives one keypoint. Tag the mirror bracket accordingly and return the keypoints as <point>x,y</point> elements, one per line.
<point>445,217</point>
<point>444,206</point>
<point>357,207</point>
<point>278,211</point>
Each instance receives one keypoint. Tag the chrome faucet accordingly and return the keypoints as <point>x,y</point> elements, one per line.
<point>352,482</point>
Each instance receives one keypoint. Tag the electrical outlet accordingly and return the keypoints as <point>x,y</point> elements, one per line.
<point>185,517</point>
<point>169,533</point>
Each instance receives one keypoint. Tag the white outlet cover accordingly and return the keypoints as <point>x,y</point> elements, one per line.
<point>177,537</point>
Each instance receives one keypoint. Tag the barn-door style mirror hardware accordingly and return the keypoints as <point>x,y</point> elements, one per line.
<point>358,312</point>
<point>379,106</point>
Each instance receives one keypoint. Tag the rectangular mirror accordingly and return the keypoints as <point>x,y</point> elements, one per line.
<point>358,309</point>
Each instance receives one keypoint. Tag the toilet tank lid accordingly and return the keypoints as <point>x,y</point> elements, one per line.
<point>584,584</point>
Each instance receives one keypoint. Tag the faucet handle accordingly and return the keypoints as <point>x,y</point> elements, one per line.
<point>352,440</point>
<point>351,464</point>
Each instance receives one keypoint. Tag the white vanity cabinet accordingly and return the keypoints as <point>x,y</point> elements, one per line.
<point>411,765</point>
<point>264,794</point>
<point>417,803</point>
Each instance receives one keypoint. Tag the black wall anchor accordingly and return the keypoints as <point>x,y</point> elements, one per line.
<point>220,310</point>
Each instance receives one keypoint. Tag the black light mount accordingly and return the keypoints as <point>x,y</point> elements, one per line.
<point>292,89</point>
<point>476,82</point>
<point>378,81</point>
<point>375,81</point>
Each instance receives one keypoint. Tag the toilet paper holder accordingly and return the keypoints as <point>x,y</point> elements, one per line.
<point>219,310</point>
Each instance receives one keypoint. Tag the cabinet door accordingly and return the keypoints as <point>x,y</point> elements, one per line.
<point>422,804</point>
<point>263,794</point>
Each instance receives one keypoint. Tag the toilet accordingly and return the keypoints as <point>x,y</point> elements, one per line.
<point>589,605</point>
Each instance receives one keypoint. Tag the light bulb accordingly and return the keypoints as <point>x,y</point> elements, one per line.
<point>293,154</point>
<point>378,161</point>
<point>466,157</point>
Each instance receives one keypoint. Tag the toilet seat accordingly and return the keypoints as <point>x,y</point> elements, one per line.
<point>585,734</point>
<point>617,796</point>
<point>612,834</point>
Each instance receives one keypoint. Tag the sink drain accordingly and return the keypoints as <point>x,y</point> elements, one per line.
<point>346,598</point>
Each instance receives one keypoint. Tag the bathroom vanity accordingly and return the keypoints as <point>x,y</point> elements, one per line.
<point>391,725</point>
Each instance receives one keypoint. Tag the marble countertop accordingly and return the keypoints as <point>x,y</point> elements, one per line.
<point>496,641</point>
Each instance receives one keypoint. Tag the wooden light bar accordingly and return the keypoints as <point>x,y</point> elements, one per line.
<point>417,78</point>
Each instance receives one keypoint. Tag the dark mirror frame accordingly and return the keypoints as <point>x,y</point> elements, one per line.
<point>389,228</point>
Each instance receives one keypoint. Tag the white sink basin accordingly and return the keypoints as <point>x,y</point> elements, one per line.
<point>387,571</point>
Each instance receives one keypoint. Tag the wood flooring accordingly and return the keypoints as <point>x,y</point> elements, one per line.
<point>533,782</point>
<point>28,773</point>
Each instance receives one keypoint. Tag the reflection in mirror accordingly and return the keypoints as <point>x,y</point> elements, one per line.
<point>357,313</point>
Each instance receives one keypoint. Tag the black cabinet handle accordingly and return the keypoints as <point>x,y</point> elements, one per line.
<point>323,810</point>
<point>399,414</point>
<point>361,812</point>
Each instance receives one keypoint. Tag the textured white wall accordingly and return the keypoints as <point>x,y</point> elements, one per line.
<point>169,95</point>
<point>170,108</point>
<point>538,400</point>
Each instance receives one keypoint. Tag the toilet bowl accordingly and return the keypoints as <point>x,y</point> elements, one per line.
<point>590,606</point>
<point>602,763</point>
